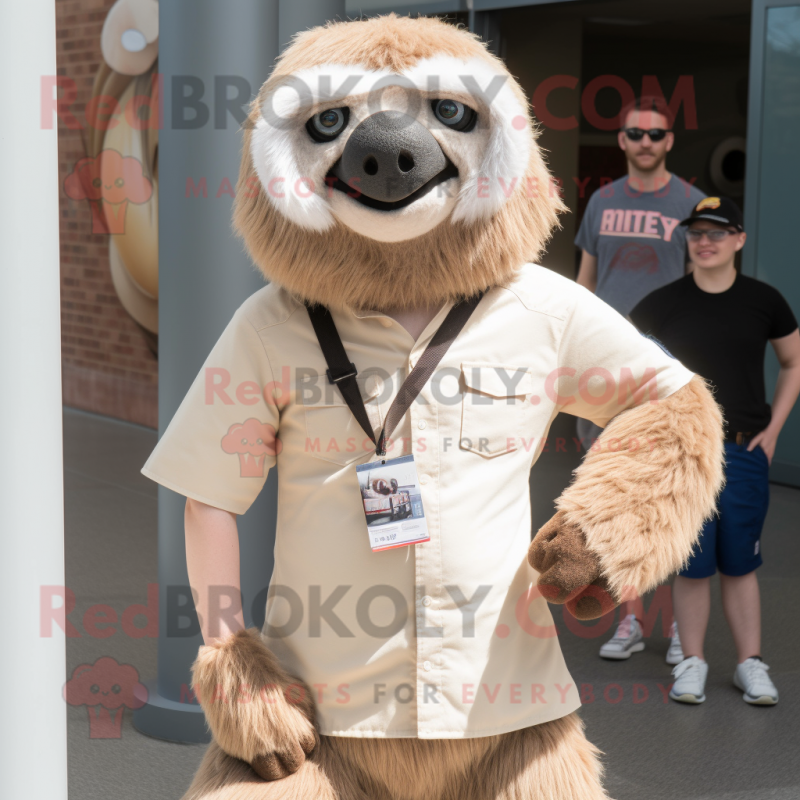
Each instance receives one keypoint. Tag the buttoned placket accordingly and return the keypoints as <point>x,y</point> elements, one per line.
<point>428,568</point>
<point>424,416</point>
<point>424,419</point>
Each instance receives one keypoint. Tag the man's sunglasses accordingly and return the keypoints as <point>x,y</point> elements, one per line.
<point>637,134</point>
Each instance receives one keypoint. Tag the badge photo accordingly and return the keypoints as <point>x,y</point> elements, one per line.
<point>392,503</point>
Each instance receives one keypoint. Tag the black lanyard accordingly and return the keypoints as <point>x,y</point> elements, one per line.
<point>342,372</point>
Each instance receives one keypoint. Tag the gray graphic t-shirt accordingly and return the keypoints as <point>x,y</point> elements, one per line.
<point>636,238</point>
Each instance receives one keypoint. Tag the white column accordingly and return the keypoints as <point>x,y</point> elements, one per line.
<point>33,717</point>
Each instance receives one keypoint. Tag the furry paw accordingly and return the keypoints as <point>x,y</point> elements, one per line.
<point>256,711</point>
<point>569,572</point>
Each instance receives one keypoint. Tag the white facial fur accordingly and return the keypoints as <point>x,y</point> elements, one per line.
<point>491,159</point>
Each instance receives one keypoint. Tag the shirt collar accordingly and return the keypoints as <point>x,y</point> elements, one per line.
<point>370,313</point>
<point>364,314</point>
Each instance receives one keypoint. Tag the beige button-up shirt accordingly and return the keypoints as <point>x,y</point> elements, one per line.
<point>448,638</point>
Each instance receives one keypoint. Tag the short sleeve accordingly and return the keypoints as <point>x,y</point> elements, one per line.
<point>587,232</point>
<point>222,441</point>
<point>606,366</point>
<point>783,321</point>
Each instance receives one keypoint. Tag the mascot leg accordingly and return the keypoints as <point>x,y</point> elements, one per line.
<point>408,768</point>
<point>322,776</point>
<point>551,761</point>
<point>265,744</point>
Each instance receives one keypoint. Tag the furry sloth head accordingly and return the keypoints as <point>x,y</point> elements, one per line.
<point>391,162</point>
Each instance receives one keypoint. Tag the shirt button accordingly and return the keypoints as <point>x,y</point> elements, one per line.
<point>423,478</point>
<point>387,323</point>
<point>426,601</point>
<point>426,665</point>
<point>422,424</point>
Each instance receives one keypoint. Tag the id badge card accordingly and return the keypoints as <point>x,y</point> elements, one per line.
<point>392,503</point>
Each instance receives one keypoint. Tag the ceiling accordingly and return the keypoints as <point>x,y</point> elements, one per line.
<point>695,21</point>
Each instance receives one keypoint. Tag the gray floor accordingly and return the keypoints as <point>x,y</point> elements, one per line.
<point>656,750</point>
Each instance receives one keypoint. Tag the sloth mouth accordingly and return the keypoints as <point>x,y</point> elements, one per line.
<point>334,182</point>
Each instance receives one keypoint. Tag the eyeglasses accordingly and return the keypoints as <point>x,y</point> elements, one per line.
<point>637,134</point>
<point>717,235</point>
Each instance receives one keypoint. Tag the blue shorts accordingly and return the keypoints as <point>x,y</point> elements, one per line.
<point>731,540</point>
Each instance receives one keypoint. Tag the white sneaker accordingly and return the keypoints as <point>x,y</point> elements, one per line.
<point>675,652</point>
<point>690,681</point>
<point>751,677</point>
<point>628,639</point>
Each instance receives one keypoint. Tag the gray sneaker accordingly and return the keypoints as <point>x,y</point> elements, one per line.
<point>690,681</point>
<point>675,652</point>
<point>751,677</point>
<point>628,639</point>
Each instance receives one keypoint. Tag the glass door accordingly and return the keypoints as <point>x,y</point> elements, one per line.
<point>772,199</point>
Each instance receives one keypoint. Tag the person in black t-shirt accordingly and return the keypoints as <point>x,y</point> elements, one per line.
<point>718,322</point>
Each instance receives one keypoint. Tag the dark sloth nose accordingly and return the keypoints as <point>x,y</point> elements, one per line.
<point>389,156</point>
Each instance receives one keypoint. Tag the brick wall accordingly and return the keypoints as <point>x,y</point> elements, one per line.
<point>106,363</point>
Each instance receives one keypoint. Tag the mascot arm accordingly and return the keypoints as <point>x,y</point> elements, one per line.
<point>256,711</point>
<point>631,517</point>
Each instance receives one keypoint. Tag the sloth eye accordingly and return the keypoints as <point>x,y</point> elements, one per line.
<point>327,125</point>
<point>454,115</point>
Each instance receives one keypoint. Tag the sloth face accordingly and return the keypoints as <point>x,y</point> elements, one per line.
<point>391,155</point>
<point>393,165</point>
<point>391,162</point>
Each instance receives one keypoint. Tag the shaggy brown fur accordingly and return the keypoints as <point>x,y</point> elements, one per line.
<point>256,711</point>
<point>568,568</point>
<point>385,42</point>
<point>641,510</point>
<point>628,520</point>
<point>527,764</point>
<point>342,267</point>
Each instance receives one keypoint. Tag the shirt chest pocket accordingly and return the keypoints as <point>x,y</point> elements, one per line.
<point>332,431</point>
<point>495,407</point>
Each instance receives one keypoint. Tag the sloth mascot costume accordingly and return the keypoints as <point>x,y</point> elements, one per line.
<point>391,184</point>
